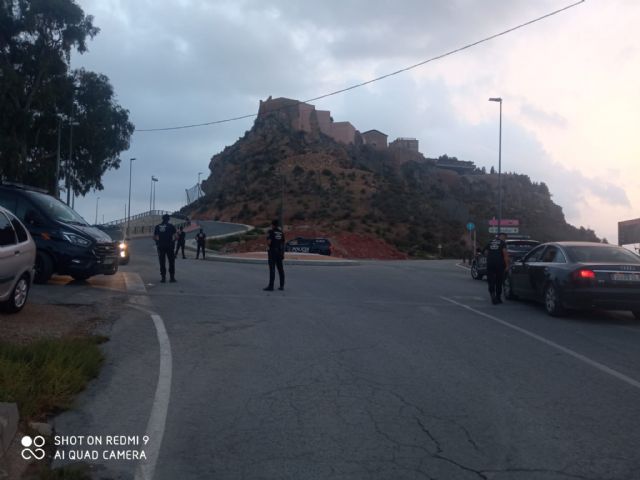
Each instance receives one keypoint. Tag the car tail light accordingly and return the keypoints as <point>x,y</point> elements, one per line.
<point>584,274</point>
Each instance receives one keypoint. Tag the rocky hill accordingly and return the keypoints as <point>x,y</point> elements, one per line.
<point>394,195</point>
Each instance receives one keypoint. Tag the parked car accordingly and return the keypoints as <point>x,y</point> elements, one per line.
<point>516,248</point>
<point>577,275</point>
<point>66,243</point>
<point>17,259</point>
<point>117,235</point>
<point>320,246</point>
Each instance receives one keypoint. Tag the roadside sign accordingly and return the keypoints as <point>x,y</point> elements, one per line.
<point>505,222</point>
<point>629,232</point>
<point>471,226</point>
<point>504,230</point>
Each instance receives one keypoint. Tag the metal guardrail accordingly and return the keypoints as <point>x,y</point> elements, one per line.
<point>150,213</point>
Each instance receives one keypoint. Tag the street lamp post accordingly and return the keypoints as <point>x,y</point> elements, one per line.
<point>154,180</point>
<point>499,100</point>
<point>97,201</point>
<point>57,185</point>
<point>131,160</point>
<point>70,159</point>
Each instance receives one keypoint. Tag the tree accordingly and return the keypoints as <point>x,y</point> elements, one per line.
<point>39,95</point>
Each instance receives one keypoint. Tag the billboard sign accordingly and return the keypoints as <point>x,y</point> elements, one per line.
<point>505,222</point>
<point>629,232</point>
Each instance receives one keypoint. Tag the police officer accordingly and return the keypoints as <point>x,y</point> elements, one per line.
<point>497,265</point>
<point>165,234</point>
<point>275,240</point>
<point>182,237</point>
<point>201,238</point>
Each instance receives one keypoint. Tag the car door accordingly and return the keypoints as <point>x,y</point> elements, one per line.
<point>540,273</point>
<point>521,272</point>
<point>9,259</point>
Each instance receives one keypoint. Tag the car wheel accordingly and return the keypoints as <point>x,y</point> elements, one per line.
<point>19,295</point>
<point>636,313</point>
<point>44,268</point>
<point>474,272</point>
<point>508,290</point>
<point>552,301</point>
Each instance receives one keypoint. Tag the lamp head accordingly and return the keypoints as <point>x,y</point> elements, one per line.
<point>495,99</point>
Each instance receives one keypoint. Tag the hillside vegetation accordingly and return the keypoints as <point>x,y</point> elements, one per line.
<point>398,196</point>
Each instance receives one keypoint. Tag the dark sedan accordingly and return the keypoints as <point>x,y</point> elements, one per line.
<point>577,275</point>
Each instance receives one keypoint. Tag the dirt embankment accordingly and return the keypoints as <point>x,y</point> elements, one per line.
<point>344,244</point>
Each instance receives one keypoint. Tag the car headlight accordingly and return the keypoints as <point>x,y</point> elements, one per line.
<point>76,239</point>
<point>123,246</point>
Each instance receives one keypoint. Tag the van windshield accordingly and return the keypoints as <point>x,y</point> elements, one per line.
<point>55,209</point>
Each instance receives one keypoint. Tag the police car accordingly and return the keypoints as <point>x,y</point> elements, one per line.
<point>321,246</point>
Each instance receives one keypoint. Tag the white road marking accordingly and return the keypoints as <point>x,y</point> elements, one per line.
<point>134,283</point>
<point>158,416</point>
<point>603,368</point>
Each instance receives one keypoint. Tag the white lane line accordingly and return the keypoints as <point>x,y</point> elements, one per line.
<point>134,283</point>
<point>568,351</point>
<point>158,417</point>
<point>459,265</point>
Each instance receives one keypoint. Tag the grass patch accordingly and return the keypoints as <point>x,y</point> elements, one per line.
<point>218,243</point>
<point>75,472</point>
<point>43,377</point>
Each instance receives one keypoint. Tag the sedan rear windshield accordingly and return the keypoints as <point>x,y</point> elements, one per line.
<point>602,254</point>
<point>521,246</point>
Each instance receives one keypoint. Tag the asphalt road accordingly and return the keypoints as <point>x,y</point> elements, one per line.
<point>387,370</point>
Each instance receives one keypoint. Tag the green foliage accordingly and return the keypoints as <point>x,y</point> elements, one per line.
<point>39,93</point>
<point>43,377</point>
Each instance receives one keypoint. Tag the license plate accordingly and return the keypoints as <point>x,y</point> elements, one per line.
<point>108,261</point>
<point>625,277</point>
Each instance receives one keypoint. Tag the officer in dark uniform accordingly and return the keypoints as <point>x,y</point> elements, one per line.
<point>201,239</point>
<point>497,265</point>
<point>182,238</point>
<point>275,240</point>
<point>165,234</point>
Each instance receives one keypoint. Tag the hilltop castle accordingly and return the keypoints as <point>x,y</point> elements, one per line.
<point>304,117</point>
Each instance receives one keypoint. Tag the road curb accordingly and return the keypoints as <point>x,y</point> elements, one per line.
<point>212,256</point>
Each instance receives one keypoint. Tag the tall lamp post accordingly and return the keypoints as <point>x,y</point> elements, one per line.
<point>97,201</point>
<point>499,100</point>
<point>131,160</point>
<point>199,189</point>
<point>154,180</point>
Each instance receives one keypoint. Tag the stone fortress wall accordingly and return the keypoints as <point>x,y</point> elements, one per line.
<point>304,117</point>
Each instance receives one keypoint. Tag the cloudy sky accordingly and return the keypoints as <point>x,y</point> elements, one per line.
<point>570,85</point>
